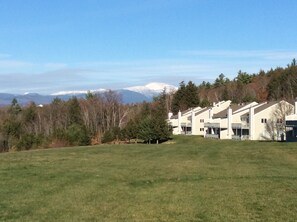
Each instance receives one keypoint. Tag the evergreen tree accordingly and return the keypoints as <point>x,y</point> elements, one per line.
<point>225,95</point>
<point>90,95</point>
<point>220,81</point>
<point>178,102</point>
<point>191,95</point>
<point>12,126</point>
<point>74,112</point>
<point>146,130</point>
<point>185,97</point>
<point>15,108</point>
<point>243,77</point>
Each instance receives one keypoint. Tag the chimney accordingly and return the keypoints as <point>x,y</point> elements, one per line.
<point>229,133</point>
<point>296,106</point>
<point>193,123</point>
<point>170,114</point>
<point>179,122</point>
<point>210,113</point>
<point>252,122</point>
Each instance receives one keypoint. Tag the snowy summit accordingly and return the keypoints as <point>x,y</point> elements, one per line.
<point>77,92</point>
<point>153,88</point>
<point>149,90</point>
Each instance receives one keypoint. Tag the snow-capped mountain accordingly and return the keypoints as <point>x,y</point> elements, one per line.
<point>152,89</point>
<point>135,94</point>
<point>149,90</point>
<point>77,92</point>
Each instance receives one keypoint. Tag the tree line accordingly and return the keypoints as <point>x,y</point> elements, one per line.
<point>97,118</point>
<point>274,84</point>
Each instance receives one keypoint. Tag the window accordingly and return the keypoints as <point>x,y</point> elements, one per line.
<point>263,120</point>
<point>201,120</point>
<point>201,129</point>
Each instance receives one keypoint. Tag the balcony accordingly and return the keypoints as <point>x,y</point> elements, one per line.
<point>212,125</point>
<point>186,133</point>
<point>243,137</point>
<point>212,136</point>
<point>240,126</point>
<point>186,124</point>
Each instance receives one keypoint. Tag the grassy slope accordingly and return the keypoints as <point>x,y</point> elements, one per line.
<point>193,180</point>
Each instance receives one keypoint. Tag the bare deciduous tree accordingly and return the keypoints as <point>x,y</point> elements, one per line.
<point>275,126</point>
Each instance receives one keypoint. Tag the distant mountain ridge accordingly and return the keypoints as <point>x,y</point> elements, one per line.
<point>152,89</point>
<point>134,94</point>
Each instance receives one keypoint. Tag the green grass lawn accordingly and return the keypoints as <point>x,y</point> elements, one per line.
<point>193,180</point>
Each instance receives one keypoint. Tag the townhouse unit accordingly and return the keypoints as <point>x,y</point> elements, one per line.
<point>203,115</point>
<point>251,121</point>
<point>192,120</point>
<point>291,126</point>
<point>222,124</point>
<point>182,122</point>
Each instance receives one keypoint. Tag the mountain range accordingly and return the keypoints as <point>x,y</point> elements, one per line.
<point>133,94</point>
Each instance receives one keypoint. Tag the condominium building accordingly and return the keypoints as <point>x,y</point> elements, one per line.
<point>251,121</point>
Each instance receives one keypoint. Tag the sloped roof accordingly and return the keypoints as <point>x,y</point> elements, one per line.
<point>188,110</point>
<point>174,117</point>
<point>201,111</point>
<point>265,106</point>
<point>223,113</point>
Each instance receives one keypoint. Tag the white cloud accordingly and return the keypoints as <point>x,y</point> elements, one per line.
<point>55,66</point>
<point>5,64</point>
<point>192,65</point>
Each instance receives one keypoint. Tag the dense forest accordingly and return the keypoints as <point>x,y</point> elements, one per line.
<point>93,120</point>
<point>102,118</point>
<point>275,84</point>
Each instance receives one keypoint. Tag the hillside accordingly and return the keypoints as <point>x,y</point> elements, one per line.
<point>194,179</point>
<point>275,84</point>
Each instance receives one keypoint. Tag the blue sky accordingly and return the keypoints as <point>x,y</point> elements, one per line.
<point>50,46</point>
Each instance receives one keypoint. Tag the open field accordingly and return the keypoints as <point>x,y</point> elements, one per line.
<point>192,180</point>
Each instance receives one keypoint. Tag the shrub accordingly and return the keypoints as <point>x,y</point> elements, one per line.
<point>3,145</point>
<point>28,141</point>
<point>112,135</point>
<point>77,135</point>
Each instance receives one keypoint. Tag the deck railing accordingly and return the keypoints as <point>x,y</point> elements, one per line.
<point>240,126</point>
<point>212,136</point>
<point>212,125</point>
<point>243,137</point>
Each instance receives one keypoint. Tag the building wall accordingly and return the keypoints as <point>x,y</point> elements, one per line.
<point>262,118</point>
<point>260,132</point>
<point>185,120</point>
<point>205,116</point>
<point>199,122</point>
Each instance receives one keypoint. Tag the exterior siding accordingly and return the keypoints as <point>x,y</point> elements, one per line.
<point>246,122</point>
